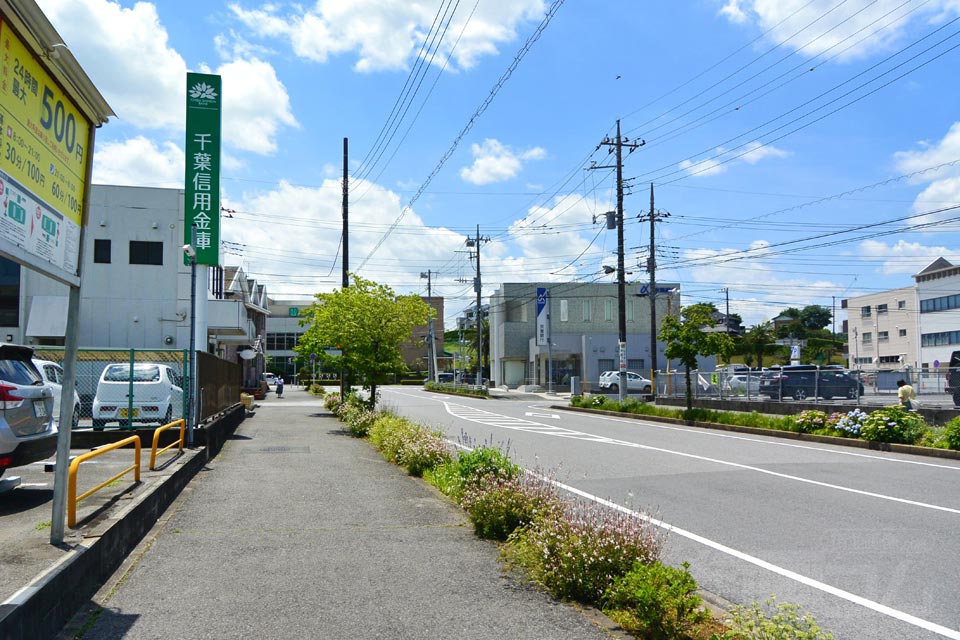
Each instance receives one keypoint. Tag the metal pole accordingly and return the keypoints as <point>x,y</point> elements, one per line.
<point>479,323</point>
<point>550,387</point>
<point>192,418</point>
<point>62,467</point>
<point>652,268</point>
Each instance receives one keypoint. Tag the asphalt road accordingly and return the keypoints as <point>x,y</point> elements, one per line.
<point>866,541</point>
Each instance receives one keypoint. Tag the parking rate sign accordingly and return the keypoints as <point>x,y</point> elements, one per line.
<point>202,180</point>
<point>541,316</point>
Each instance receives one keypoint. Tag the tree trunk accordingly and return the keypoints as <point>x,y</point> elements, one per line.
<point>373,396</point>
<point>689,390</point>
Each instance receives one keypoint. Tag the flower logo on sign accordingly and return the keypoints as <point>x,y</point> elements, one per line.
<point>203,91</point>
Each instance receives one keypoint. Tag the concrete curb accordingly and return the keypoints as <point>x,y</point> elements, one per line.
<point>40,609</point>
<point>789,435</point>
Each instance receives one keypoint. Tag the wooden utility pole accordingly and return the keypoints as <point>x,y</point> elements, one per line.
<point>654,216</point>
<point>346,226</point>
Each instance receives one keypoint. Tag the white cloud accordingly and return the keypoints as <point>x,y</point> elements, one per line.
<point>139,162</point>
<point>495,162</point>
<point>905,257</point>
<point>126,54</point>
<point>255,106</point>
<point>734,12</point>
<point>944,184</point>
<point>388,34</point>
<point>822,25</point>
<point>755,152</point>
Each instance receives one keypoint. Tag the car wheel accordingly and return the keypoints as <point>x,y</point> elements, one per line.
<point>98,425</point>
<point>827,396</point>
<point>852,393</point>
<point>76,416</point>
<point>799,393</point>
<point>615,388</point>
<point>646,390</point>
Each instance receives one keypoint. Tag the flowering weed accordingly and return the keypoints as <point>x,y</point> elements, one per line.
<point>499,504</point>
<point>773,621</point>
<point>579,555</point>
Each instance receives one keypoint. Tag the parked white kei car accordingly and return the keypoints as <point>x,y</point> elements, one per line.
<point>635,382</point>
<point>53,377</point>
<point>157,394</point>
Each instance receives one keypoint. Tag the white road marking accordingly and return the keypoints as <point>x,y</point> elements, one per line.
<point>534,414</point>
<point>763,564</point>
<point>489,418</point>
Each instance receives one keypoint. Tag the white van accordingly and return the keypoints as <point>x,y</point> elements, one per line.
<point>53,376</point>
<point>157,394</point>
<point>270,379</point>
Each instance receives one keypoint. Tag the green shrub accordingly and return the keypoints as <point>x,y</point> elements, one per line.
<point>656,602</point>
<point>446,478</point>
<point>951,434</point>
<point>772,621</point>
<point>423,449</point>
<point>578,555</point>
<point>809,421</point>
<point>893,424</point>
<point>332,403</point>
<point>484,461</point>
<point>388,434</point>
<point>498,505</point>
<point>359,420</point>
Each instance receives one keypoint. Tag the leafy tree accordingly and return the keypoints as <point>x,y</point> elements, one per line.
<point>758,342</point>
<point>815,316</point>
<point>686,339</point>
<point>368,322</point>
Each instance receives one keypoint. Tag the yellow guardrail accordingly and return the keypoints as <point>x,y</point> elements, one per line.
<point>156,440</point>
<point>72,496</point>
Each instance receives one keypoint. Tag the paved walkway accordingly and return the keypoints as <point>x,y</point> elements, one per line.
<point>298,531</point>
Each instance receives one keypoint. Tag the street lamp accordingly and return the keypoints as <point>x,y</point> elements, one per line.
<point>191,252</point>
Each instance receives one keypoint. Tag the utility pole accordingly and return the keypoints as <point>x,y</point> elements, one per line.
<point>654,216</point>
<point>431,347</point>
<point>346,226</point>
<point>475,243</point>
<point>726,317</point>
<point>618,144</point>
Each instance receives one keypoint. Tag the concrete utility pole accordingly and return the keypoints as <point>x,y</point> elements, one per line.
<point>654,216</point>
<point>475,243</point>
<point>346,226</point>
<point>618,144</point>
<point>432,346</point>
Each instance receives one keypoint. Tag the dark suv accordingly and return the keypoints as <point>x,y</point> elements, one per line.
<point>809,381</point>
<point>953,377</point>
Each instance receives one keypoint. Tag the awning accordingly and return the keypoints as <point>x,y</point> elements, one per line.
<point>48,317</point>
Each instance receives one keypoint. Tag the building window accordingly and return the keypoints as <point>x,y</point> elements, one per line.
<point>903,333</point>
<point>101,251</point>
<point>865,312</point>
<point>287,341</point>
<point>629,308</point>
<point>636,364</point>
<point>940,339</point>
<point>605,364</point>
<point>944,303</point>
<point>867,337</point>
<point>564,310</point>
<point>587,309</point>
<point>881,308</point>
<point>901,304</point>
<point>883,335</point>
<point>523,311</point>
<point>608,306</point>
<point>142,252</point>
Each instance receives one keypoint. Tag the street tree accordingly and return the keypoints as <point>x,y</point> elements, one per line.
<point>758,341</point>
<point>686,339</point>
<point>367,322</point>
<point>815,316</point>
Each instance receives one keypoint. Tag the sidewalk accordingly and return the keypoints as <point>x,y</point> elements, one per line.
<point>298,531</point>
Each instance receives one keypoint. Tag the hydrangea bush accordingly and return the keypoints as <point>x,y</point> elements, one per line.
<point>810,420</point>
<point>849,424</point>
<point>893,424</point>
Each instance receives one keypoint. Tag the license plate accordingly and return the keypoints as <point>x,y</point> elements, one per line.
<point>123,413</point>
<point>39,408</point>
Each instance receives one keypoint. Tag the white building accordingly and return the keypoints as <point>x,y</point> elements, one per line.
<point>135,286</point>
<point>916,327</point>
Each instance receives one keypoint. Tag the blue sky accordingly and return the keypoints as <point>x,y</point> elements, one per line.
<point>806,150</point>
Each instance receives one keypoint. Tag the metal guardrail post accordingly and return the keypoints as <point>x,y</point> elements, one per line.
<point>156,440</point>
<point>72,496</point>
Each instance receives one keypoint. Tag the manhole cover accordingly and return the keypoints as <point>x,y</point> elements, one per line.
<point>283,450</point>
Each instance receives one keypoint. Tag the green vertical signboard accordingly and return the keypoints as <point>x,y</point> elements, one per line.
<point>202,180</point>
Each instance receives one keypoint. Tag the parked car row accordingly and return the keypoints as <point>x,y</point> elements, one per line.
<point>809,381</point>
<point>610,381</point>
